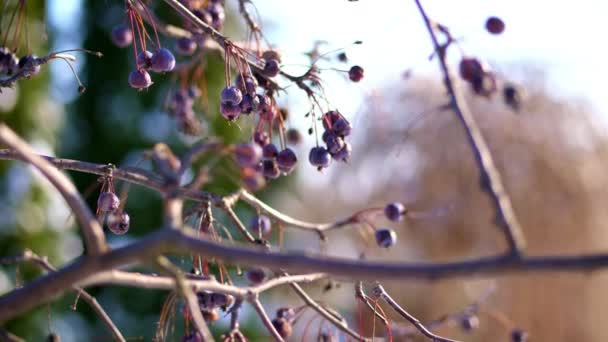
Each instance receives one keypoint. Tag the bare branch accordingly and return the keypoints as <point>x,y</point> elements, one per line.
<point>91,229</point>
<point>380,292</point>
<point>255,302</point>
<point>506,217</point>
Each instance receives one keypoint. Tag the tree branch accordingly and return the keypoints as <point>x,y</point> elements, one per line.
<point>91,229</point>
<point>506,217</point>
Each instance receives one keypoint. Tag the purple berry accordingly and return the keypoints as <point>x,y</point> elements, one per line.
<point>344,153</point>
<point>287,160</point>
<point>270,169</point>
<point>265,103</point>
<point>118,222</point>
<point>230,111</point>
<point>261,138</point>
<point>247,154</point>
<point>249,104</point>
<point>341,127</point>
<point>255,275</point>
<point>218,15</point>
<point>355,73</point>
<point>140,79</point>
<point>319,157</point>
<point>162,61</point>
<point>260,225</point>
<point>107,202</point>
<point>271,54</point>
<point>29,65</point>
<point>185,46</point>
<point>252,179</point>
<point>271,68</point>
<point>144,59</point>
<point>246,84</point>
<point>294,136</point>
<point>9,63</point>
<point>286,313</point>
<point>518,335</point>
<point>121,36</point>
<point>469,322</point>
<point>333,142</point>
<point>231,95</point>
<point>495,25</point>
<point>270,151</point>
<point>385,237</point>
<point>394,211</point>
<point>193,337</point>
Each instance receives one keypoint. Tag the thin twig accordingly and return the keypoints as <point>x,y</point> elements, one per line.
<point>255,302</point>
<point>380,292</point>
<point>29,256</point>
<point>506,217</point>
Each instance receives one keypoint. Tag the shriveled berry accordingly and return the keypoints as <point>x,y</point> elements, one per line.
<point>333,142</point>
<point>185,46</point>
<point>118,222</point>
<point>271,68</point>
<point>270,151</point>
<point>385,237</point>
<point>255,275</point>
<point>286,159</point>
<point>469,322</point>
<point>286,313</point>
<point>319,157</point>
<point>29,65</point>
<point>231,95</point>
<point>252,179</point>
<point>261,138</point>
<point>495,25</point>
<point>513,96</point>
<point>518,335</point>
<point>341,127</point>
<point>230,111</point>
<point>355,73</point>
<point>270,169</point>
<point>107,201</point>
<point>260,225</point>
<point>247,154</point>
<point>210,315</point>
<point>162,61</point>
<point>140,79</point>
<point>122,36</point>
<point>484,84</point>
<point>144,59</point>
<point>394,211</point>
<point>246,83</point>
<point>344,154</point>
<point>271,54</point>
<point>249,104</point>
<point>470,68</point>
<point>294,136</point>
<point>283,327</point>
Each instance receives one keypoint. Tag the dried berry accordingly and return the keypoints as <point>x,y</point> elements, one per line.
<point>495,25</point>
<point>355,73</point>
<point>260,225</point>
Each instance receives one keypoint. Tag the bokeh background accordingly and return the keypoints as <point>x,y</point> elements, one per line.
<point>551,153</point>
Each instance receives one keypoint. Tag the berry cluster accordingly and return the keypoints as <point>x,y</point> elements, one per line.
<point>108,207</point>
<point>180,106</point>
<point>211,13</point>
<point>10,64</point>
<point>160,61</point>
<point>337,128</point>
